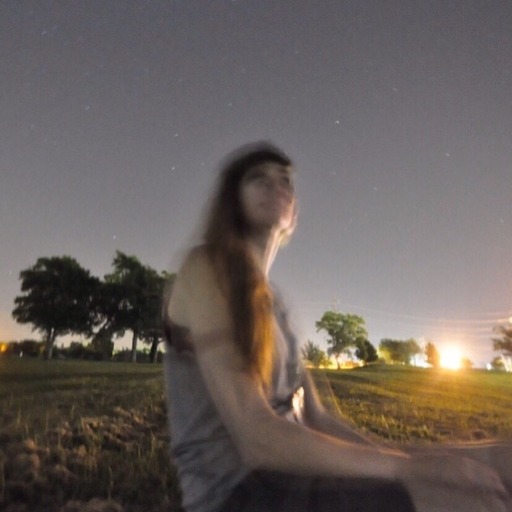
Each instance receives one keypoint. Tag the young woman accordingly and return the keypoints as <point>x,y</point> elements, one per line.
<point>248,431</point>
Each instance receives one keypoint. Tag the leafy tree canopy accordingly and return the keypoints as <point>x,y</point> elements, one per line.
<point>131,300</point>
<point>432,355</point>
<point>497,363</point>
<point>344,331</point>
<point>399,351</point>
<point>57,297</point>
<point>503,344</point>
<point>314,354</point>
<point>366,351</point>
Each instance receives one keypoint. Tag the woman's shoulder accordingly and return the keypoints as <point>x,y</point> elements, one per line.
<point>196,292</point>
<point>197,271</point>
<point>196,257</point>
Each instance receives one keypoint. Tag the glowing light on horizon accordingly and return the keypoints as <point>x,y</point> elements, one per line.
<point>451,358</point>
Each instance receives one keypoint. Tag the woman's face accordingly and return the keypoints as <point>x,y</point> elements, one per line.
<point>267,197</point>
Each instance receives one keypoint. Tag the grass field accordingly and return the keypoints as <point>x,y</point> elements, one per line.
<point>92,437</point>
<point>413,405</point>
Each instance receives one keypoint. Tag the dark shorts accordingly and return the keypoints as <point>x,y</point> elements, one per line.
<point>265,491</point>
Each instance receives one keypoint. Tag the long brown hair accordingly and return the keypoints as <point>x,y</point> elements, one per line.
<point>247,291</point>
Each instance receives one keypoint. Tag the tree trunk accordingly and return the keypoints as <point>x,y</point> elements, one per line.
<point>154,349</point>
<point>48,344</point>
<point>134,347</point>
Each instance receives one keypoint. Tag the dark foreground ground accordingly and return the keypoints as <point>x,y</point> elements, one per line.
<point>92,437</point>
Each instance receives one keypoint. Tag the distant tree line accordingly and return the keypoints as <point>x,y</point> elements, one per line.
<point>30,348</point>
<point>347,335</point>
<point>60,297</point>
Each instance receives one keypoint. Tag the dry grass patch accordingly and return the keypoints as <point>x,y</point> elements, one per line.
<point>88,437</point>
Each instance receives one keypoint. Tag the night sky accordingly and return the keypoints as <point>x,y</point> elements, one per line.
<point>114,117</point>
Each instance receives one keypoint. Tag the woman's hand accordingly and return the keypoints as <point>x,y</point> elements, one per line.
<point>445,483</point>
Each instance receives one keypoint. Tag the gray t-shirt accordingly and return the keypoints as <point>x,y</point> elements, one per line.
<point>209,466</point>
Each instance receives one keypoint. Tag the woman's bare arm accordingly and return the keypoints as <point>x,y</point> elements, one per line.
<point>263,439</point>
<point>318,418</point>
<point>267,441</point>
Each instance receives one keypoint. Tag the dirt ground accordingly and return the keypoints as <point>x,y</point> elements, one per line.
<point>108,452</point>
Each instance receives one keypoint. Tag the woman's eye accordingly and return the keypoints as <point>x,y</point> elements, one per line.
<point>287,181</point>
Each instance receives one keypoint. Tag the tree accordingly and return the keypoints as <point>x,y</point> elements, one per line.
<point>432,354</point>
<point>56,300</point>
<point>102,345</point>
<point>366,352</point>
<point>344,331</point>
<point>503,344</point>
<point>135,301</point>
<point>129,282</point>
<point>23,348</point>
<point>399,351</point>
<point>498,364</point>
<point>151,331</point>
<point>314,354</point>
<point>107,307</point>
